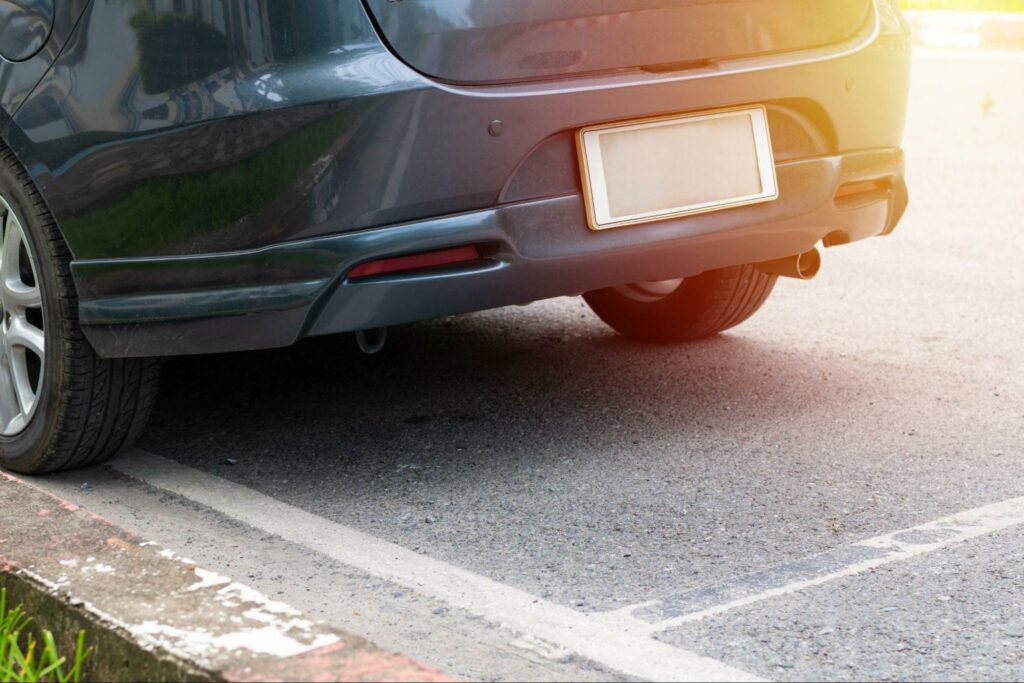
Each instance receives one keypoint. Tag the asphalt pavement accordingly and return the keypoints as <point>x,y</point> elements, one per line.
<point>522,494</point>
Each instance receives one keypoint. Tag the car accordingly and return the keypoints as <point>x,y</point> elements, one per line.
<point>206,176</point>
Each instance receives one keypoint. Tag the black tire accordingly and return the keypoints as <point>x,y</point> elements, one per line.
<point>701,306</point>
<point>87,408</point>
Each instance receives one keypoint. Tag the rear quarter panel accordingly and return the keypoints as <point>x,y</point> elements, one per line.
<point>142,136</point>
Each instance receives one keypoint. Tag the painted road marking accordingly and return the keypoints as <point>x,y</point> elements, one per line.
<point>848,560</point>
<point>622,640</point>
<point>619,642</point>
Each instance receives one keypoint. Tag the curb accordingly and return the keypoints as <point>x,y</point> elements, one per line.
<point>951,28</point>
<point>152,615</point>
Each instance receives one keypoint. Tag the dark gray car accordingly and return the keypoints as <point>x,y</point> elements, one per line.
<point>201,176</point>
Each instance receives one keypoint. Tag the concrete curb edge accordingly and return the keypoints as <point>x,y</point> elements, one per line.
<point>152,615</point>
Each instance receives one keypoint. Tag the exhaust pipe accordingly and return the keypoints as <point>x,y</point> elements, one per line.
<point>372,341</point>
<point>802,266</point>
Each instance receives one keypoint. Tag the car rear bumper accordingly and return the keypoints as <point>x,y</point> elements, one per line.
<point>536,249</point>
<point>354,139</point>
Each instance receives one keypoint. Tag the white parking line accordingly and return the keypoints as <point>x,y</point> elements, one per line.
<point>621,640</point>
<point>618,642</point>
<point>841,562</point>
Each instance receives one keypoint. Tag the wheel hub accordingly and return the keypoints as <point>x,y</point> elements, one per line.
<point>647,292</point>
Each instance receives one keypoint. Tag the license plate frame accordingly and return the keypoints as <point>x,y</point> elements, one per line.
<point>606,208</point>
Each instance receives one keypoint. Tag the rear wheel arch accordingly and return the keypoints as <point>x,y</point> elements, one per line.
<point>14,142</point>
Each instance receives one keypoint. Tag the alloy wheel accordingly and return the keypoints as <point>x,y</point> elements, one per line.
<point>22,340</point>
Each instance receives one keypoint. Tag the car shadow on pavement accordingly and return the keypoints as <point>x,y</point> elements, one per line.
<point>484,382</point>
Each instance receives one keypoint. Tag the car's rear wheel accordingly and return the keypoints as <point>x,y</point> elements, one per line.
<point>61,405</point>
<point>670,311</point>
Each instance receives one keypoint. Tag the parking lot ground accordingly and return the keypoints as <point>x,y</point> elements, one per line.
<point>520,494</point>
<point>955,615</point>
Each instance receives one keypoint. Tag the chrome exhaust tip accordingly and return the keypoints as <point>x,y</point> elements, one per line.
<point>802,266</point>
<point>372,341</point>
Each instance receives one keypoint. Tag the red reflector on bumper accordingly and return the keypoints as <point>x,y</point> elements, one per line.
<point>430,259</point>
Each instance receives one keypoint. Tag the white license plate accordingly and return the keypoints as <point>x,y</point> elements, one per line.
<point>643,171</point>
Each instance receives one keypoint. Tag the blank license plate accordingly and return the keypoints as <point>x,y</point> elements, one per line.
<point>643,171</point>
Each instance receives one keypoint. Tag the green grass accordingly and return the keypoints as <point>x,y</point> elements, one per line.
<point>24,659</point>
<point>967,5</point>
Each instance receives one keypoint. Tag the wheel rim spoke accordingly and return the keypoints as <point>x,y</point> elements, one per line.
<point>22,295</point>
<point>12,243</point>
<point>23,390</point>
<point>10,409</point>
<point>23,347</point>
<point>22,335</point>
